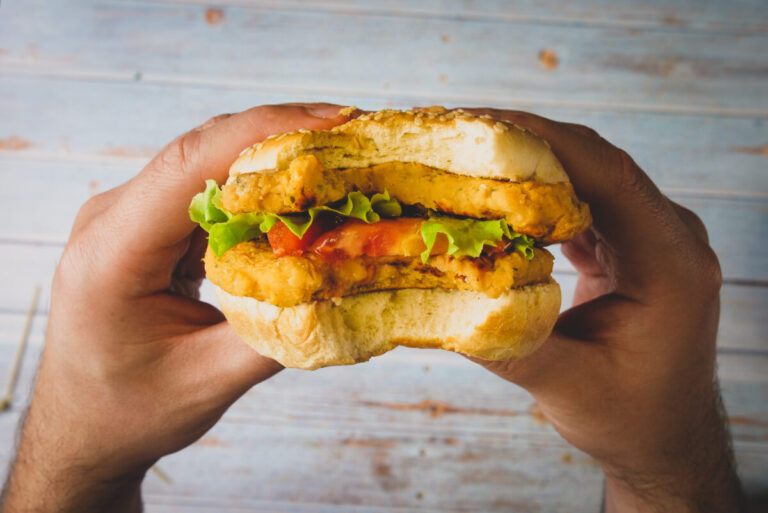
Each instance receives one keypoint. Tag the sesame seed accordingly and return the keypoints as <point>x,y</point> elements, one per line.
<point>500,127</point>
<point>418,121</point>
<point>303,131</point>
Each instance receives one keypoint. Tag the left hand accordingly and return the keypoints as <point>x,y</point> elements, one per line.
<point>132,370</point>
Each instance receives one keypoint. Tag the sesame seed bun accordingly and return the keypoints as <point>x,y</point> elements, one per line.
<point>453,141</point>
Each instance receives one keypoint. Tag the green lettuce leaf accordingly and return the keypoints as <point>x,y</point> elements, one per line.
<point>226,230</point>
<point>205,208</point>
<point>466,237</point>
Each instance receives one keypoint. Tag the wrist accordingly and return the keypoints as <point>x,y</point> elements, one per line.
<point>32,490</point>
<point>40,483</point>
<point>694,474</point>
<point>56,470</point>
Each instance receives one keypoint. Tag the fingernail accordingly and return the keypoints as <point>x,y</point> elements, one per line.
<point>328,111</point>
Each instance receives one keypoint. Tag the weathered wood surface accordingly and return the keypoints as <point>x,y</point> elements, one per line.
<point>324,52</point>
<point>741,15</point>
<point>48,118</point>
<point>412,428</point>
<point>713,165</point>
<point>90,90</point>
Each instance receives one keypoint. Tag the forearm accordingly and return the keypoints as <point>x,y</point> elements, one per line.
<point>700,478</point>
<point>46,477</point>
<point>28,491</point>
<point>721,494</point>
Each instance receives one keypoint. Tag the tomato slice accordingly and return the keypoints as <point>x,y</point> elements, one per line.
<point>284,242</point>
<point>388,237</point>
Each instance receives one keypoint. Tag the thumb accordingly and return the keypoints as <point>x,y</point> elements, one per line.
<point>225,361</point>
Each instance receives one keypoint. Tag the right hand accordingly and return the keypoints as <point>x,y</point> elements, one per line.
<point>628,375</point>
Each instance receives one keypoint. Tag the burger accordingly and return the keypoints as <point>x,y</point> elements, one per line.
<point>422,228</point>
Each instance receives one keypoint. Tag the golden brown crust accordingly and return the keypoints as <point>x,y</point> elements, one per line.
<point>550,212</point>
<point>455,141</point>
<point>356,328</point>
<point>251,269</point>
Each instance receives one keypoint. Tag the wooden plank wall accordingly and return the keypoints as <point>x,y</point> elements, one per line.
<point>89,90</point>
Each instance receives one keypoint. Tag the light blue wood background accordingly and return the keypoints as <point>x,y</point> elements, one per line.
<point>89,90</point>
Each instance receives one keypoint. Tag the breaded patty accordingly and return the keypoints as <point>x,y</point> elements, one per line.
<point>251,269</point>
<point>549,212</point>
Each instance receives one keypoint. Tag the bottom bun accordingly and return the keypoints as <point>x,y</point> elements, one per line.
<point>353,329</point>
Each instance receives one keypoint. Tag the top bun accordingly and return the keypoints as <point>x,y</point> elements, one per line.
<point>453,141</point>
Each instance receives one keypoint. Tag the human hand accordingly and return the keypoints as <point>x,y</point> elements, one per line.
<point>628,375</point>
<point>133,370</point>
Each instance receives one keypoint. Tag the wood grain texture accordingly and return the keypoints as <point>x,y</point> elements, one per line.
<point>411,429</point>
<point>741,15</point>
<point>84,150</point>
<point>674,71</point>
<point>56,119</point>
<point>90,90</point>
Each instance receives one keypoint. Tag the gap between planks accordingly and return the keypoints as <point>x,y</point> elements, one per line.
<point>51,70</point>
<point>464,15</point>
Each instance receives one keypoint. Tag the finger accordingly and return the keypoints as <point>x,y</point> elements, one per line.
<point>584,130</point>
<point>578,335</point>
<point>224,359</point>
<point>94,207</point>
<point>166,186</point>
<point>634,220</point>
<point>693,222</point>
<point>191,266</point>
<point>585,253</point>
<point>149,222</point>
<point>551,362</point>
<point>581,251</point>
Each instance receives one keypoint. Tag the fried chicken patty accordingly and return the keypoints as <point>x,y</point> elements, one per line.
<point>251,269</point>
<point>549,212</point>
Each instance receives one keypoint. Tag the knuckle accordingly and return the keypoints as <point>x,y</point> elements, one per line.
<point>710,274</point>
<point>630,183</point>
<point>695,223</point>
<point>88,211</point>
<point>628,175</point>
<point>179,155</point>
<point>585,130</point>
<point>69,272</point>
